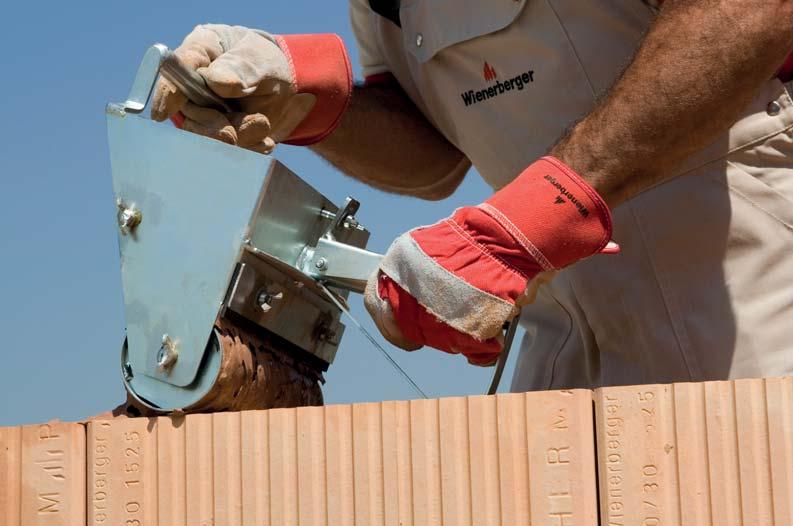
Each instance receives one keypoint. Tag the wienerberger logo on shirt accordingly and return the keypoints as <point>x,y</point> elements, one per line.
<point>489,73</point>
<point>518,82</point>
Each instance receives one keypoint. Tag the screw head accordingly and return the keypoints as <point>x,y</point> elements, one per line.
<point>773,108</point>
<point>321,264</point>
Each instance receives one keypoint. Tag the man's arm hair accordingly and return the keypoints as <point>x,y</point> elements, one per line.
<point>699,66</point>
<point>386,142</point>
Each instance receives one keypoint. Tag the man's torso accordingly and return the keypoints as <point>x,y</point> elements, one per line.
<point>700,290</point>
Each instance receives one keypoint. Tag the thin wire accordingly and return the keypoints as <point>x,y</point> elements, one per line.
<point>502,360</point>
<point>369,337</point>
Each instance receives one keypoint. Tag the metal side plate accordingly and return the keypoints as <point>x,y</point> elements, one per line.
<point>196,198</point>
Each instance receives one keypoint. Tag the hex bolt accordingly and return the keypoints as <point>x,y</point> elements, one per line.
<point>321,264</point>
<point>167,355</point>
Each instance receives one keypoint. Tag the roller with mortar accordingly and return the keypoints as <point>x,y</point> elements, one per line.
<point>235,271</point>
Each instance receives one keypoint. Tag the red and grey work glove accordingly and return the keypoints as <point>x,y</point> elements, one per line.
<point>454,284</point>
<point>290,88</point>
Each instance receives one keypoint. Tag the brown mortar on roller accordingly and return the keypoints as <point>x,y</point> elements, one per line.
<point>254,374</point>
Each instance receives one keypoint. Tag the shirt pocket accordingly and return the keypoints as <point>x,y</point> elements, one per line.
<point>763,175</point>
<point>428,26</point>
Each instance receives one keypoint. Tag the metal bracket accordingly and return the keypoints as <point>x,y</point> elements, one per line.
<point>341,265</point>
<point>336,263</point>
<point>273,296</point>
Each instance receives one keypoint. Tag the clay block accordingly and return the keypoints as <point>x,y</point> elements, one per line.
<point>698,453</point>
<point>718,453</point>
<point>508,459</point>
<point>122,471</point>
<point>42,475</point>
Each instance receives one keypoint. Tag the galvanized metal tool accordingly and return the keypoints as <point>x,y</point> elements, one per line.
<point>209,231</point>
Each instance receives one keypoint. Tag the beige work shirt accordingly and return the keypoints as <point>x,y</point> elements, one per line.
<point>703,288</point>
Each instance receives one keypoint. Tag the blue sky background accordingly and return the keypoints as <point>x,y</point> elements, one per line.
<point>61,315</point>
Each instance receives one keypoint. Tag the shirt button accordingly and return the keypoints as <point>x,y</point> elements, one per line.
<point>419,39</point>
<point>773,108</point>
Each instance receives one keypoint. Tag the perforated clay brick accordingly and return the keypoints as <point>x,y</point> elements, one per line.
<point>42,475</point>
<point>717,453</point>
<point>484,460</point>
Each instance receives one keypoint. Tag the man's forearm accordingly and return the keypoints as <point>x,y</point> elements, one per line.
<point>386,142</point>
<point>699,66</point>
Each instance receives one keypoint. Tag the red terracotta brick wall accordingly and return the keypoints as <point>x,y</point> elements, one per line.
<point>714,453</point>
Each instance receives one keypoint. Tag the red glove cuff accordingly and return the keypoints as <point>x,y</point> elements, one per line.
<point>553,213</point>
<point>321,67</point>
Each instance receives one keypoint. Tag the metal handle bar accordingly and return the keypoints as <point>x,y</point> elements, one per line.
<point>161,60</point>
<point>192,84</point>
